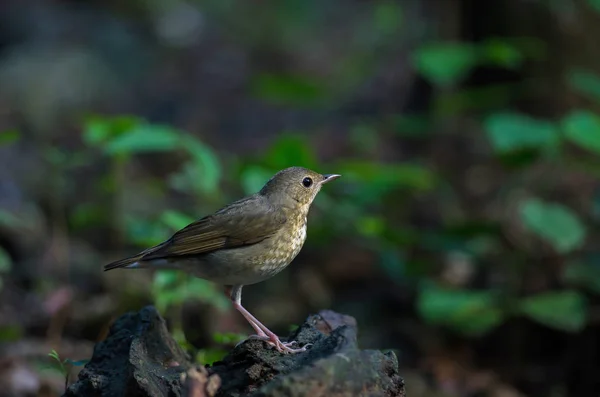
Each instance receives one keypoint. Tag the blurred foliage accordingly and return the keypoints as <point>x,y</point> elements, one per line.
<point>63,366</point>
<point>470,165</point>
<point>369,186</point>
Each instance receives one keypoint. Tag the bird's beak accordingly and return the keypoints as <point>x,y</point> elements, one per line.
<point>329,178</point>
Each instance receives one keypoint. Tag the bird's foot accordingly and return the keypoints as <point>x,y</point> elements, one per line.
<point>286,347</point>
<point>263,333</point>
<point>274,341</point>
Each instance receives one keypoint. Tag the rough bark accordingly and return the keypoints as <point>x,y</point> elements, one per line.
<point>140,358</point>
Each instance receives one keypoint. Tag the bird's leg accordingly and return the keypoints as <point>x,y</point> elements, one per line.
<point>263,332</point>
<point>260,334</point>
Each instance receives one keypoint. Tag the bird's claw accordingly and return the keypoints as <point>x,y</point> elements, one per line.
<point>285,347</point>
<point>282,347</point>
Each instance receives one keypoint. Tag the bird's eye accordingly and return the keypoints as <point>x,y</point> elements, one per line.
<point>307,182</point>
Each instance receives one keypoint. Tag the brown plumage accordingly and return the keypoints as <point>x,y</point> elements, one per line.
<point>243,243</point>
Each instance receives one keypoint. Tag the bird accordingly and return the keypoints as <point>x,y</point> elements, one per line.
<point>243,243</point>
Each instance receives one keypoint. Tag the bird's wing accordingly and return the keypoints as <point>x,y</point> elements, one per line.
<point>241,223</point>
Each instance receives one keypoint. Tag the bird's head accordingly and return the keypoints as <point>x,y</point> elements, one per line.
<point>295,186</point>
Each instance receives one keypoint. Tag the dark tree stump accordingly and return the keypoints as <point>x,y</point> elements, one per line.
<point>140,358</point>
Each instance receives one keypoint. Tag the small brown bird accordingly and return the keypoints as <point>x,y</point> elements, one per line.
<point>244,243</point>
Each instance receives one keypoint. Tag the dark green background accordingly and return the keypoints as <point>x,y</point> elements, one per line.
<point>463,233</point>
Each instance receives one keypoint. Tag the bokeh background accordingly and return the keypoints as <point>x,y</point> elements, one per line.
<point>462,234</point>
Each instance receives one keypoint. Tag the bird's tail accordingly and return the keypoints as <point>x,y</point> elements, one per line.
<point>127,263</point>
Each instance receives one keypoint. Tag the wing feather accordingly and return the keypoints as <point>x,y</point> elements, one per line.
<point>244,222</point>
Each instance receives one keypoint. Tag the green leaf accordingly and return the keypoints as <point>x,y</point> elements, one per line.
<point>388,175</point>
<point>501,53</point>
<point>164,279</point>
<point>176,220</point>
<point>514,131</point>
<point>54,355</point>
<point>88,215</point>
<point>101,129</point>
<point>96,131</point>
<point>170,288</point>
<point>370,226</point>
<point>205,170</point>
<point>595,4</point>
<point>583,129</point>
<point>564,310</point>
<point>145,138</point>
<point>287,89</point>
<point>585,82</point>
<point>144,232</point>
<point>228,338</point>
<point>209,356</point>
<point>291,150</point>
<point>470,312</point>
<point>445,64</point>
<point>554,223</point>
<point>78,363</point>
<point>9,136</point>
<point>254,178</point>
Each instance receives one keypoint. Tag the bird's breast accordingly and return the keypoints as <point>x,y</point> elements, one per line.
<point>284,247</point>
<point>254,263</point>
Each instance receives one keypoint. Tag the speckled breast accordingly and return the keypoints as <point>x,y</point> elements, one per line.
<point>254,263</point>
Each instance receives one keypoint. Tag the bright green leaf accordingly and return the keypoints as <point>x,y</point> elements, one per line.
<point>53,353</point>
<point>564,310</point>
<point>101,129</point>
<point>254,178</point>
<point>583,128</point>
<point>96,131</point>
<point>227,338</point>
<point>143,232</point>
<point>445,63</point>
<point>554,223</point>
<point>170,288</point>
<point>165,278</point>
<point>176,220</point>
<point>585,82</point>
<point>514,131</point>
<point>469,312</point>
<point>208,356</point>
<point>205,169</point>
<point>145,138</point>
